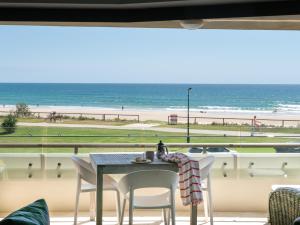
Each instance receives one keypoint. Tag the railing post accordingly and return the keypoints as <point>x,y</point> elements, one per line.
<point>138,118</point>
<point>282,123</point>
<point>103,117</point>
<point>223,121</point>
<point>168,120</point>
<point>75,150</point>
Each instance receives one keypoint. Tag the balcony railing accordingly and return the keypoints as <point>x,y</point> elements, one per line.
<point>242,179</point>
<point>76,146</point>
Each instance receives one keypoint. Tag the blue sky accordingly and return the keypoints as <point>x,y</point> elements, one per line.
<point>121,55</point>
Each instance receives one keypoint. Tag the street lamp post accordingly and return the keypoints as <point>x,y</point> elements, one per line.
<point>188,116</point>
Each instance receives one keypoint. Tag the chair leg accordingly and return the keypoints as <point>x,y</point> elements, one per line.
<point>173,208</point>
<point>118,206</point>
<point>123,211</point>
<point>205,205</point>
<point>131,208</point>
<point>210,204</point>
<point>173,215</point>
<point>77,199</point>
<point>92,206</point>
<point>166,215</point>
<point>169,216</point>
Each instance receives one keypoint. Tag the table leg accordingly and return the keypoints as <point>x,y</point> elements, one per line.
<point>99,196</point>
<point>193,218</point>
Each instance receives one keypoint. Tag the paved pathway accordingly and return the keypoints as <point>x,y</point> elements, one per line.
<point>153,127</point>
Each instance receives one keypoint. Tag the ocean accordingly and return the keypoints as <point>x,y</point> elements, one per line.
<point>203,97</point>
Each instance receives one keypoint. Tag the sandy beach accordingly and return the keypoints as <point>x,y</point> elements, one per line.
<point>203,117</point>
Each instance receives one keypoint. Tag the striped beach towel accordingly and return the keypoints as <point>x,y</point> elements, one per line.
<point>189,178</point>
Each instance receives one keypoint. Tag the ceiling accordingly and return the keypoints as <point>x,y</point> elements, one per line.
<point>209,14</point>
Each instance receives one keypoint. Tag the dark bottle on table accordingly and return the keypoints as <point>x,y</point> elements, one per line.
<point>161,150</point>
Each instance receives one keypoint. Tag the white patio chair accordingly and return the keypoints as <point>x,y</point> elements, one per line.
<point>205,165</point>
<point>87,174</point>
<point>149,179</point>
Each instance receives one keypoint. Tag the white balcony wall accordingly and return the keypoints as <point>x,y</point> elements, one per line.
<point>240,182</point>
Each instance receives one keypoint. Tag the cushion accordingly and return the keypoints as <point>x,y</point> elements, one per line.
<point>297,221</point>
<point>34,214</point>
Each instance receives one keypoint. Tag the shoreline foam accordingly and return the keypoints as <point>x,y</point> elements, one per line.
<point>289,109</point>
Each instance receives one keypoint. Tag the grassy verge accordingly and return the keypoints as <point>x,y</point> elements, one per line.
<point>115,122</point>
<point>235,128</point>
<point>94,135</point>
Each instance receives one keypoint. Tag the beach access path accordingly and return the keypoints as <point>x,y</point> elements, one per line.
<point>153,127</point>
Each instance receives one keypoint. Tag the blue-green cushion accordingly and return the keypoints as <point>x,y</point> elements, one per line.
<point>34,214</point>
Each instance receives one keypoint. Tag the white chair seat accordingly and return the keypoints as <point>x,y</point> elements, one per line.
<point>109,183</point>
<point>152,201</point>
<point>86,187</point>
<point>87,174</point>
<point>131,185</point>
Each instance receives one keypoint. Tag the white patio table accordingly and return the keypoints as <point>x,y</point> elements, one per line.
<point>121,164</point>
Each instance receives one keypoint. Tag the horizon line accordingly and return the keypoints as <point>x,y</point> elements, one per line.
<point>162,83</point>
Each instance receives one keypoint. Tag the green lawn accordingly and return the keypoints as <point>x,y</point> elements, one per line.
<point>116,122</point>
<point>94,135</point>
<point>235,128</point>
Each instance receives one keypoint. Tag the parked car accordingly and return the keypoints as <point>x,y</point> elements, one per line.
<point>210,149</point>
<point>287,149</point>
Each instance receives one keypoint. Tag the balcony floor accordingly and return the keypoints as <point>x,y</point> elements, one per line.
<point>182,218</point>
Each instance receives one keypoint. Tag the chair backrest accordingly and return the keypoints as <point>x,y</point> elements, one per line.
<point>149,179</point>
<point>85,170</point>
<point>205,165</point>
